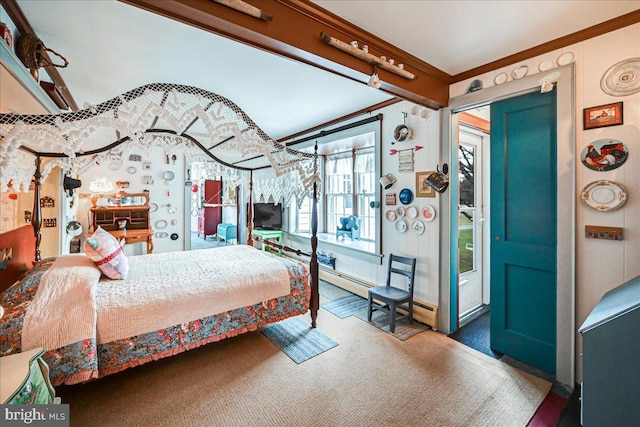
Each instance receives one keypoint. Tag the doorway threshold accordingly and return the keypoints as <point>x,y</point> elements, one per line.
<point>473,314</point>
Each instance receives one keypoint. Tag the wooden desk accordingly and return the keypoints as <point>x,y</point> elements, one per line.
<point>269,234</point>
<point>135,236</point>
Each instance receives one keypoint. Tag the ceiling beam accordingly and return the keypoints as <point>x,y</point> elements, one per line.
<point>24,27</point>
<point>295,32</point>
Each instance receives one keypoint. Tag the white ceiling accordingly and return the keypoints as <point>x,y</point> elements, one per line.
<point>113,47</point>
<point>458,35</point>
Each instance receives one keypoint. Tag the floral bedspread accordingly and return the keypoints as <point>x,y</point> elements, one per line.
<point>84,360</point>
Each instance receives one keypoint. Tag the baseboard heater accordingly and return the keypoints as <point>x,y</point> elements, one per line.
<point>422,312</point>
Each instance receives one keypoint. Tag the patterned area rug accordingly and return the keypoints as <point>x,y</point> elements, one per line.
<point>345,304</point>
<point>297,339</point>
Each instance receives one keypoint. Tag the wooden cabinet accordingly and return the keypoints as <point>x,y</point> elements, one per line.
<point>210,215</point>
<point>126,221</point>
<point>208,219</point>
<point>610,359</point>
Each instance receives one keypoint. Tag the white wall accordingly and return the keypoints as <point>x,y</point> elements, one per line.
<point>600,264</point>
<point>159,193</point>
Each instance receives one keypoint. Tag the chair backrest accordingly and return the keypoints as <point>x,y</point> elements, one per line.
<point>409,274</point>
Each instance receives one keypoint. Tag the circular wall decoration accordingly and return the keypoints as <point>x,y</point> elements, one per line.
<point>622,78</point>
<point>604,196</point>
<point>545,65</point>
<point>406,196</point>
<point>401,226</point>
<point>429,213</point>
<point>565,59</point>
<point>500,78</point>
<point>520,72</point>
<point>417,226</point>
<point>604,154</point>
<point>390,215</point>
<point>161,223</point>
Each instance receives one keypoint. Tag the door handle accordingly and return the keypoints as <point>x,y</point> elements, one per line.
<point>497,238</point>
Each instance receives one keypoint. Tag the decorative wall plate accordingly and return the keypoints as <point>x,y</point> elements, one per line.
<point>168,175</point>
<point>153,207</point>
<point>160,224</point>
<point>390,215</point>
<point>162,234</point>
<point>400,212</point>
<point>401,226</point>
<point>406,196</point>
<point>604,154</point>
<point>622,78</point>
<point>604,195</point>
<point>131,169</point>
<point>565,59</point>
<point>417,226</point>
<point>174,236</point>
<point>501,78</point>
<point>520,72</point>
<point>412,212</point>
<point>545,65</point>
<point>428,213</point>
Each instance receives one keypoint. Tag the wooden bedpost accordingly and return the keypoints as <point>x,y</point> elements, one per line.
<point>315,294</point>
<point>36,217</point>
<point>250,210</point>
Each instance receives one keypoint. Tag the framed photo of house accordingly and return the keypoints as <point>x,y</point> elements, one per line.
<point>422,188</point>
<point>603,115</point>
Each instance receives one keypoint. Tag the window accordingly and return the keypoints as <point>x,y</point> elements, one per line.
<point>350,169</point>
<point>338,173</point>
<point>365,178</point>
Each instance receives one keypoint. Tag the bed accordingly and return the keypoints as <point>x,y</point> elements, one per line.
<point>148,316</point>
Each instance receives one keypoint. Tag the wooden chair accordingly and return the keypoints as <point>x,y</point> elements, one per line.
<point>393,297</point>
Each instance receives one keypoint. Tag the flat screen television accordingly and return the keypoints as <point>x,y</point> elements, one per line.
<point>267,216</point>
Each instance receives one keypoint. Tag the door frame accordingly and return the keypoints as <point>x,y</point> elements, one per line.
<point>565,294</point>
<point>482,209</point>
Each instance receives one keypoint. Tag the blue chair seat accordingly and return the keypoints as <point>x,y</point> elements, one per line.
<point>226,231</point>
<point>349,226</point>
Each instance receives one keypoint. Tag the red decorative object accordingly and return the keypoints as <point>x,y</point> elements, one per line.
<point>13,196</point>
<point>418,147</point>
<point>5,34</point>
<point>194,188</point>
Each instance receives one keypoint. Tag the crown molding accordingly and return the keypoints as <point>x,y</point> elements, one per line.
<point>568,40</point>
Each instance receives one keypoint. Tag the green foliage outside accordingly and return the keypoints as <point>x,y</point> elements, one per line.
<point>465,236</point>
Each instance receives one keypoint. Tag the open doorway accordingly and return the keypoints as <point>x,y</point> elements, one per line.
<point>473,308</point>
<point>473,148</point>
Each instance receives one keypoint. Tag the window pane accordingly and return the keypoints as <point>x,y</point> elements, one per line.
<point>466,240</point>
<point>467,175</point>
<point>366,192</point>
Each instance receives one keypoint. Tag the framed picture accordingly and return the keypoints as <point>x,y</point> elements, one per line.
<point>603,115</point>
<point>422,189</point>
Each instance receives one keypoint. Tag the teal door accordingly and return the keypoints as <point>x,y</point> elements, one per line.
<point>523,229</point>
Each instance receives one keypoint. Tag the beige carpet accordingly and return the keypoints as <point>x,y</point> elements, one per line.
<point>369,379</point>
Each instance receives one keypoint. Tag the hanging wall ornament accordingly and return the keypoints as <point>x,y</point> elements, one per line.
<point>604,154</point>
<point>622,79</point>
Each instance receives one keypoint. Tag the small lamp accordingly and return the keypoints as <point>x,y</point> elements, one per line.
<point>387,181</point>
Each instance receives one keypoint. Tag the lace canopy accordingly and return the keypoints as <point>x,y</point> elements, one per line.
<point>160,114</point>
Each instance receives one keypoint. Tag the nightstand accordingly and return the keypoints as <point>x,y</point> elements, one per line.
<point>25,379</point>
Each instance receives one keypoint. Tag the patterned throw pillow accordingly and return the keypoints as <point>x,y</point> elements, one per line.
<point>105,251</point>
